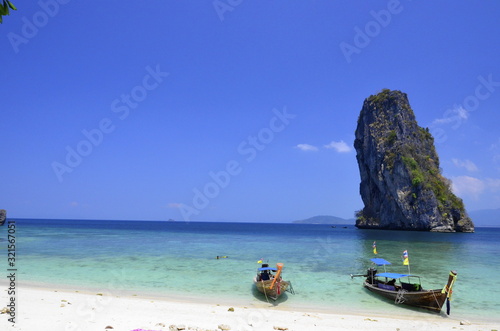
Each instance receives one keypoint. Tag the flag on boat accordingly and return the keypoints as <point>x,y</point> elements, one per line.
<point>406,261</point>
<point>374,247</point>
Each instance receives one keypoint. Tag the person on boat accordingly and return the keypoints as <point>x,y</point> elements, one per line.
<point>264,275</point>
<point>391,282</point>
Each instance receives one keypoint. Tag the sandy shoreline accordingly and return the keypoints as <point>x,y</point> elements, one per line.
<point>43,309</point>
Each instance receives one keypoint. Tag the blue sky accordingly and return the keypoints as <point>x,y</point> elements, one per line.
<point>234,110</point>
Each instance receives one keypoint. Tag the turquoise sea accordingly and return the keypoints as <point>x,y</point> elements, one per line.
<point>178,260</point>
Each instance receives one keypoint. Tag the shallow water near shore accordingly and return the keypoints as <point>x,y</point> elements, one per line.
<point>174,259</point>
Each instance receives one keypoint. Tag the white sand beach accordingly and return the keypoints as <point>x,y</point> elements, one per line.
<point>44,309</point>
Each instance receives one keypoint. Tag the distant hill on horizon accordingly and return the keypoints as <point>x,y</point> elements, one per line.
<point>325,219</point>
<point>482,218</point>
<point>486,217</point>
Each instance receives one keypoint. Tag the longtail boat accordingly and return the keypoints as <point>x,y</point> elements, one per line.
<point>406,288</point>
<point>269,281</point>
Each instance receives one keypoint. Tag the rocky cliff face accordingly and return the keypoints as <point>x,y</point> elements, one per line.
<point>3,216</point>
<point>401,184</point>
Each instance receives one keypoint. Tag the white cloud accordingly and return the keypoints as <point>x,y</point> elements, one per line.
<point>456,114</point>
<point>495,148</point>
<point>466,185</point>
<point>462,113</point>
<point>493,184</point>
<point>339,146</point>
<point>495,145</point>
<point>474,187</point>
<point>467,164</point>
<point>307,148</point>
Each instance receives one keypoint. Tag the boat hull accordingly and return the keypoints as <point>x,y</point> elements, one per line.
<point>427,299</point>
<point>264,287</point>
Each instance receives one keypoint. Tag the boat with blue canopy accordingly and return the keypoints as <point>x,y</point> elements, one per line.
<point>269,281</point>
<point>406,288</point>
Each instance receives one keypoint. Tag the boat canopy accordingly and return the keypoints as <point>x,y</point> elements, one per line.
<point>380,261</point>
<point>268,268</point>
<point>392,275</point>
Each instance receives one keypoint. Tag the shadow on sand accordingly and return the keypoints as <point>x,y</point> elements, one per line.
<point>415,309</point>
<point>261,297</point>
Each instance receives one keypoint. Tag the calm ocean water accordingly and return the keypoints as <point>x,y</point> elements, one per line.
<point>174,259</point>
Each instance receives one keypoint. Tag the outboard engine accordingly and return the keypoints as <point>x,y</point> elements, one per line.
<point>370,275</point>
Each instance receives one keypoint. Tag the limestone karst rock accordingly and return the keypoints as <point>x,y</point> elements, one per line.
<point>401,183</point>
<point>3,216</point>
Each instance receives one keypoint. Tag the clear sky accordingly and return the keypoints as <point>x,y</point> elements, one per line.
<point>234,110</point>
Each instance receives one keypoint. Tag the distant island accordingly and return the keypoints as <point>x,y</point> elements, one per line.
<point>486,217</point>
<point>324,219</point>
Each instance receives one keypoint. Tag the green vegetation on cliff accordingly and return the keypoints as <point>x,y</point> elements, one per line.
<point>5,7</point>
<point>422,163</point>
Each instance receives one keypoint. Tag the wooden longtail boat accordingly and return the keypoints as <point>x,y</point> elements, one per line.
<point>407,289</point>
<point>271,285</point>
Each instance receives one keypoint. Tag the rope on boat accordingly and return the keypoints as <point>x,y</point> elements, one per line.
<point>447,290</point>
<point>400,296</point>
<point>435,298</point>
<point>290,288</point>
<point>264,288</point>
